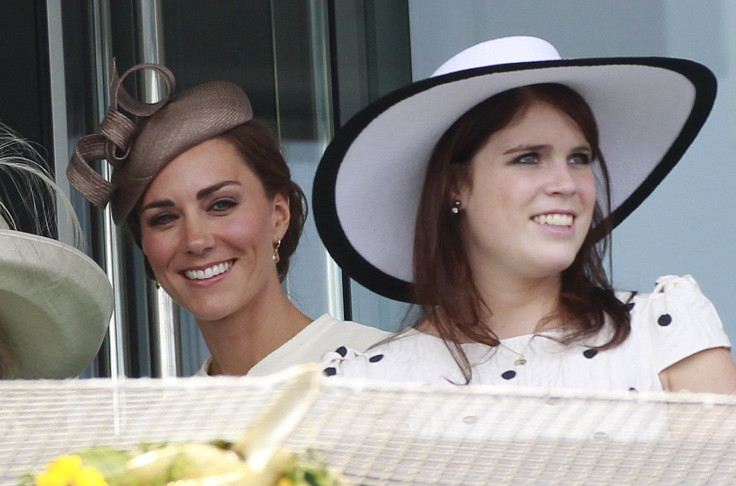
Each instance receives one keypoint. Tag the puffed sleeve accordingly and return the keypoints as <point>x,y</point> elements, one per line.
<point>680,319</point>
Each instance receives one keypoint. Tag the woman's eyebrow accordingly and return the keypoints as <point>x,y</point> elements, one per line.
<point>161,203</point>
<point>524,148</point>
<point>203,193</point>
<point>537,148</point>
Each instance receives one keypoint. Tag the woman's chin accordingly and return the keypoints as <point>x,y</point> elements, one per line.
<point>554,266</point>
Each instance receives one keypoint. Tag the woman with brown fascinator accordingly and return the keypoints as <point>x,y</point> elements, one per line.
<point>208,196</point>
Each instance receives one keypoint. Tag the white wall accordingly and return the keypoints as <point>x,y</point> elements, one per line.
<point>689,224</point>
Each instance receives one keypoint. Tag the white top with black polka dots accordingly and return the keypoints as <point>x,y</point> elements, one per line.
<point>673,322</point>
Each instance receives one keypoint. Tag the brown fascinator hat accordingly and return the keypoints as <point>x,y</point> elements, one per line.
<point>137,151</point>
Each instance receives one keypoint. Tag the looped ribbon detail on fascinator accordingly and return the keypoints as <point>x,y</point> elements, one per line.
<point>116,133</point>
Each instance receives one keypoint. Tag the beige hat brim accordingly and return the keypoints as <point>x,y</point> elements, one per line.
<point>55,305</point>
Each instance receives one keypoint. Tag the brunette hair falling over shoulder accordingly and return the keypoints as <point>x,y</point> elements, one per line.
<point>443,280</point>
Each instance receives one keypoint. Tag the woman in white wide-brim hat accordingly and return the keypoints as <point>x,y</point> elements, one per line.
<point>55,302</point>
<point>486,195</point>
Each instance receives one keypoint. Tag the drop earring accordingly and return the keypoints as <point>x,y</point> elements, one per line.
<point>456,204</point>
<point>275,256</point>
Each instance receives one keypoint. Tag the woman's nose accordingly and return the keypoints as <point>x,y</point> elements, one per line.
<point>197,237</point>
<point>560,178</point>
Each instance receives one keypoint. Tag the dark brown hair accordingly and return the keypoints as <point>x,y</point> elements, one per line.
<point>261,152</point>
<point>443,280</point>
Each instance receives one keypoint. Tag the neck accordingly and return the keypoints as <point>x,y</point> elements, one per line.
<point>518,306</point>
<point>516,309</point>
<point>239,341</point>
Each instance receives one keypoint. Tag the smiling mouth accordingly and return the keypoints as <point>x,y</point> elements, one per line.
<point>555,219</point>
<point>210,272</point>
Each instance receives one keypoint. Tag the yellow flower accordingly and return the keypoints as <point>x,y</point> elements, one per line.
<point>68,471</point>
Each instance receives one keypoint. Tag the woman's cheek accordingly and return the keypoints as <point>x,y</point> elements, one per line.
<point>155,249</point>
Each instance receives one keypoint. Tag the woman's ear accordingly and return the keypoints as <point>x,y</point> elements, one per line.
<point>459,184</point>
<point>281,215</point>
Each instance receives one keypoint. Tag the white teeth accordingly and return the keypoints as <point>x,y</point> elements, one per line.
<point>554,219</point>
<point>210,272</point>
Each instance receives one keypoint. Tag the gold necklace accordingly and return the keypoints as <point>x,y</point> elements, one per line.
<point>521,360</point>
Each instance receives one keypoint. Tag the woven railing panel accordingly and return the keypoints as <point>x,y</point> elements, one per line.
<point>378,433</point>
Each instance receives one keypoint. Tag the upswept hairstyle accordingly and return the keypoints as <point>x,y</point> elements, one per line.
<point>444,287</point>
<point>260,150</point>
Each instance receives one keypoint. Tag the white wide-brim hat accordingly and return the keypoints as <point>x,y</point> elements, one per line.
<point>55,305</point>
<point>369,181</point>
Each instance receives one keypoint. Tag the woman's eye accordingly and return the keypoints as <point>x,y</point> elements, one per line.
<point>530,158</point>
<point>223,204</point>
<point>161,219</point>
<point>580,159</point>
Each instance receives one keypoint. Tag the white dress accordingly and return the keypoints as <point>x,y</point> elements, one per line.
<point>673,322</point>
<point>322,335</point>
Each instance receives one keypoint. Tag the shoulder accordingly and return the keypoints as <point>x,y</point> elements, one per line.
<point>681,295</point>
<point>662,285</point>
<point>677,319</point>
<point>349,329</point>
<point>323,335</point>
<point>406,356</point>
<point>326,334</point>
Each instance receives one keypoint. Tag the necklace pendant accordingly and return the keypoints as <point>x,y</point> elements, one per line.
<point>521,361</point>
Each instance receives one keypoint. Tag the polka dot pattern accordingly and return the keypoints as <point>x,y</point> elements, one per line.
<point>676,310</point>
<point>508,375</point>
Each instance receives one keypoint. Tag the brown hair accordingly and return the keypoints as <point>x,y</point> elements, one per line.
<point>261,152</point>
<point>443,284</point>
